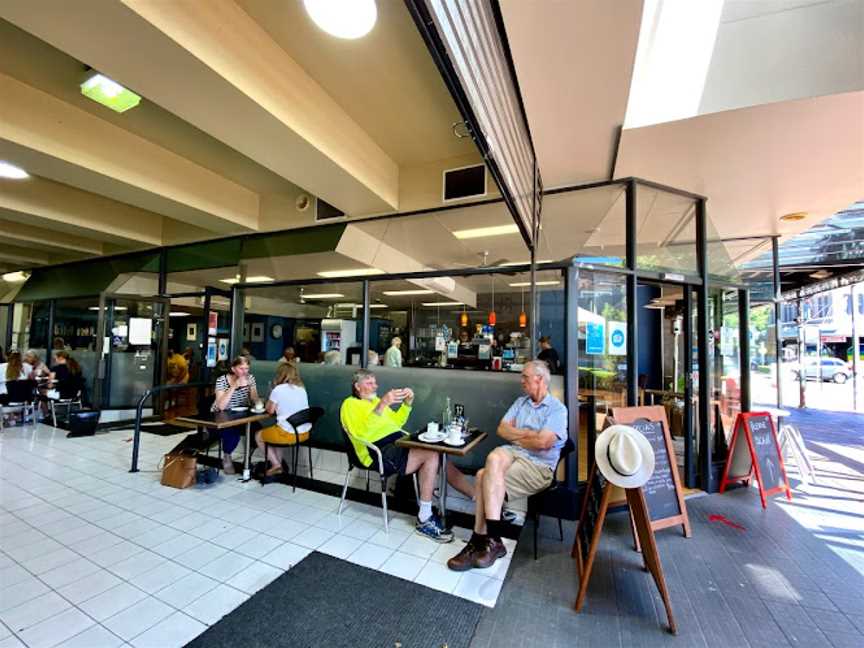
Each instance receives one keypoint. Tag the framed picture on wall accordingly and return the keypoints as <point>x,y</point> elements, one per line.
<point>222,349</point>
<point>246,332</point>
<point>191,332</point>
<point>257,332</point>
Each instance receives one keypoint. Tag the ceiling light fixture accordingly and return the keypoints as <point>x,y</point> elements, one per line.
<point>16,277</point>
<point>323,296</point>
<point>357,272</point>
<point>523,284</point>
<point>479,232</point>
<point>12,172</point>
<point>178,314</point>
<point>109,93</point>
<point>116,308</point>
<point>343,18</point>
<point>793,217</point>
<point>441,303</point>
<point>396,293</point>
<point>519,263</point>
<point>254,279</point>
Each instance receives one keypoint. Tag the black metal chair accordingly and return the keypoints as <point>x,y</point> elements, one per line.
<point>545,502</point>
<point>22,398</point>
<point>70,394</point>
<point>354,462</point>
<point>309,415</point>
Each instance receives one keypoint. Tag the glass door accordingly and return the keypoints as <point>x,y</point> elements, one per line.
<point>131,346</point>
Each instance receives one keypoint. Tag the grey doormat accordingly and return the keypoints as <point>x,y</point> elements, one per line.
<point>325,602</point>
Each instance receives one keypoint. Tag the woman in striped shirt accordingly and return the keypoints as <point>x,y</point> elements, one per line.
<point>235,389</point>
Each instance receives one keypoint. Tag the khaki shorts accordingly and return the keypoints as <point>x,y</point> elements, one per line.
<point>525,477</point>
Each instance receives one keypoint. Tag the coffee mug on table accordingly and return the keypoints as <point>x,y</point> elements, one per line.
<point>454,433</point>
<point>432,427</point>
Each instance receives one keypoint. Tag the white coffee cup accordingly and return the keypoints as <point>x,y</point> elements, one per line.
<point>454,433</point>
<point>432,427</point>
<point>259,404</point>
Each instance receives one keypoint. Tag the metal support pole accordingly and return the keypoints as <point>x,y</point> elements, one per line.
<point>689,455</point>
<point>49,338</point>
<point>778,343</point>
<point>702,345</point>
<point>163,272</point>
<point>364,348</point>
<point>855,347</point>
<point>571,369</point>
<point>632,306</point>
<point>802,343</point>
<point>532,322</point>
<point>238,312</point>
<point>744,346</point>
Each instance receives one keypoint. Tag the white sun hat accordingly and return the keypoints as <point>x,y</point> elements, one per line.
<point>624,456</point>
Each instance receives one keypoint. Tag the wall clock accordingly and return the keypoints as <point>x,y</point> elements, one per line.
<point>276,331</point>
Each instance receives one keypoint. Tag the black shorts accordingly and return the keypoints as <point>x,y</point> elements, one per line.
<point>395,458</point>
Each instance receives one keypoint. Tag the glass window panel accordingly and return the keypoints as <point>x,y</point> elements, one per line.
<point>665,231</point>
<point>446,322</point>
<point>322,323</point>
<point>602,309</point>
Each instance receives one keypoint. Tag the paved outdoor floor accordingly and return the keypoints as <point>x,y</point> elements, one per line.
<point>793,576</point>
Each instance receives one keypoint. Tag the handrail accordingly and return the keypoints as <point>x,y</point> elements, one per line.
<point>139,411</point>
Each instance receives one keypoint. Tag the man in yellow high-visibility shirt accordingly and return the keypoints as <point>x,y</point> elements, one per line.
<point>374,420</point>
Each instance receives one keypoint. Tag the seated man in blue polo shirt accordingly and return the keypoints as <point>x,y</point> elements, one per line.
<point>535,428</point>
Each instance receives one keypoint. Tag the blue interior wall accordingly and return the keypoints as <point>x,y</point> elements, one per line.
<point>649,329</point>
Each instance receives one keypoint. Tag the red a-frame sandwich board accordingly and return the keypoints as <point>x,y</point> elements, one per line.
<point>745,461</point>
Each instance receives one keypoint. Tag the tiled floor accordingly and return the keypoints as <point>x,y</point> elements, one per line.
<point>91,555</point>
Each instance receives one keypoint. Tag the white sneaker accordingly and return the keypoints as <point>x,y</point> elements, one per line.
<point>228,465</point>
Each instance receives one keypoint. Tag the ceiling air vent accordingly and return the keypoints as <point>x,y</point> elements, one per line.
<point>465,182</point>
<point>324,211</point>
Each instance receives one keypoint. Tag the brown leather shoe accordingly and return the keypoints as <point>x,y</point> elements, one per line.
<point>492,550</point>
<point>465,559</point>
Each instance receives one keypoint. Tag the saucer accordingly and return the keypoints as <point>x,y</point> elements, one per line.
<point>455,445</point>
<point>258,411</point>
<point>432,437</point>
<point>239,409</point>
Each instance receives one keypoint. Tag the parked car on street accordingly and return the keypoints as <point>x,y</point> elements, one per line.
<point>832,369</point>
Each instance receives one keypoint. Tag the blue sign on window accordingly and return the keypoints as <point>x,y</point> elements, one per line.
<point>595,334</point>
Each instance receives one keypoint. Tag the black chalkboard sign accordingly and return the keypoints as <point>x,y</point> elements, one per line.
<point>659,490</point>
<point>663,495</point>
<point>588,517</point>
<point>755,451</point>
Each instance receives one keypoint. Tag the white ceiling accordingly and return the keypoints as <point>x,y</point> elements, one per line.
<point>757,164</point>
<point>574,61</point>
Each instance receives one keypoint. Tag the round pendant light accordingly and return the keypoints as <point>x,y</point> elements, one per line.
<point>523,318</point>
<point>463,317</point>
<point>493,318</point>
<point>343,18</point>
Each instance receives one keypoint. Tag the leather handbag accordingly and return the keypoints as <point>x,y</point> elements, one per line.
<point>179,469</point>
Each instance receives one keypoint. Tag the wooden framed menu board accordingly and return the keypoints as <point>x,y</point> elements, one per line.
<point>754,450</point>
<point>589,530</point>
<point>663,491</point>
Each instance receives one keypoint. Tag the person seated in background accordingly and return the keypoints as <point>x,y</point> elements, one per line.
<point>40,369</point>
<point>13,369</point>
<point>177,369</point>
<point>68,376</point>
<point>289,356</point>
<point>372,358</point>
<point>246,353</point>
<point>286,399</point>
<point>332,358</point>
<point>535,428</point>
<point>370,418</point>
<point>236,388</point>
